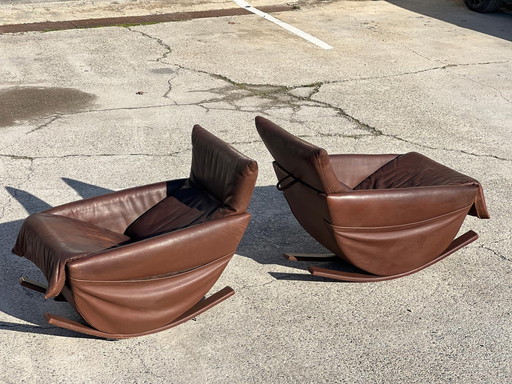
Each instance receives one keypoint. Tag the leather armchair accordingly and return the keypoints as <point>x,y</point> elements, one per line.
<point>141,260</point>
<point>388,215</point>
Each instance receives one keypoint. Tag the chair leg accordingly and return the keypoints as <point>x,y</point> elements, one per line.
<point>38,287</point>
<point>455,245</point>
<point>197,309</point>
<point>310,256</point>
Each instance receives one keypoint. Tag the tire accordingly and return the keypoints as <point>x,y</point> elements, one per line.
<point>483,6</point>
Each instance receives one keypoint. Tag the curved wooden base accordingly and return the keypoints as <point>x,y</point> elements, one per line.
<point>310,256</point>
<point>197,309</point>
<point>455,245</point>
<point>63,322</point>
<point>38,287</point>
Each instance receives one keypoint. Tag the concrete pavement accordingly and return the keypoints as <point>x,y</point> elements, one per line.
<point>33,11</point>
<point>113,107</point>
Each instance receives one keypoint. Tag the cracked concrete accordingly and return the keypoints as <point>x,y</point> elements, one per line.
<point>398,79</point>
<point>15,12</point>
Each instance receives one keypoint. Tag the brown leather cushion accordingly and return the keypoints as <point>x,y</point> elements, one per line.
<point>228,175</point>
<point>302,160</point>
<point>187,206</point>
<point>49,241</point>
<point>220,184</point>
<point>413,170</point>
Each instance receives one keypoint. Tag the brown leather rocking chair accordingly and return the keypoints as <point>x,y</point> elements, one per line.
<point>139,261</point>
<point>388,215</point>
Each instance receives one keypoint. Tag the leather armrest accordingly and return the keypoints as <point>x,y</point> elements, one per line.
<point>374,208</point>
<point>115,211</point>
<point>352,169</point>
<point>164,254</point>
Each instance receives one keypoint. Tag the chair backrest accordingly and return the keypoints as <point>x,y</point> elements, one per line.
<point>303,161</point>
<point>228,175</point>
<point>309,165</point>
<point>220,184</point>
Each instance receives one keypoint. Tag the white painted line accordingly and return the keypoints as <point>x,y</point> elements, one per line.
<point>288,27</point>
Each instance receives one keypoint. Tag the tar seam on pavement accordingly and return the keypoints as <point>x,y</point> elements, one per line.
<point>134,20</point>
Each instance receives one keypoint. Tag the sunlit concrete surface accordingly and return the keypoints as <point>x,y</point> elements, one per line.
<point>112,108</point>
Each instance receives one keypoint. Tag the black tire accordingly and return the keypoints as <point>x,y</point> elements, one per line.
<point>483,6</point>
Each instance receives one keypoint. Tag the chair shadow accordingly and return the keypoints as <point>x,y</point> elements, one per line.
<point>495,24</point>
<point>273,230</point>
<point>22,303</point>
<point>84,189</point>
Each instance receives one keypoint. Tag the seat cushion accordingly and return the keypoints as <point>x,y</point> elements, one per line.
<point>189,205</point>
<point>50,241</point>
<point>412,170</point>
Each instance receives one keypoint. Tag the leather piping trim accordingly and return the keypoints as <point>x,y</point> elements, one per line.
<point>398,226</point>
<point>159,277</point>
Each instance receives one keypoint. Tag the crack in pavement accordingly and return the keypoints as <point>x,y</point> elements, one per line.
<point>168,49</point>
<point>33,158</point>
<point>138,347</point>
<point>279,89</point>
<point>61,115</point>
<point>408,73</point>
<point>495,252</point>
<point>279,96</point>
<point>484,84</point>
<point>49,122</point>
<point>272,92</point>
<point>266,283</point>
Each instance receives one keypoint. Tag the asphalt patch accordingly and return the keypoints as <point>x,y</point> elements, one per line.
<point>25,103</point>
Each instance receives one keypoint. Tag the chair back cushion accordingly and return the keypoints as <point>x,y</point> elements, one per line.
<point>221,183</point>
<point>222,171</point>
<point>184,207</point>
<point>301,160</point>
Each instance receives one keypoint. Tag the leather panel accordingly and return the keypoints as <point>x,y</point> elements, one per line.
<point>115,211</point>
<point>353,169</point>
<point>413,170</point>
<point>225,173</point>
<point>161,255</point>
<point>299,158</point>
<point>50,241</point>
<point>313,215</point>
<point>147,303</point>
<point>395,249</point>
<point>381,207</point>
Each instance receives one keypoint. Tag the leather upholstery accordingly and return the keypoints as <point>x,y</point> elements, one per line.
<point>300,159</point>
<point>53,240</point>
<point>386,214</point>
<point>228,175</point>
<point>135,260</point>
<point>187,206</point>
